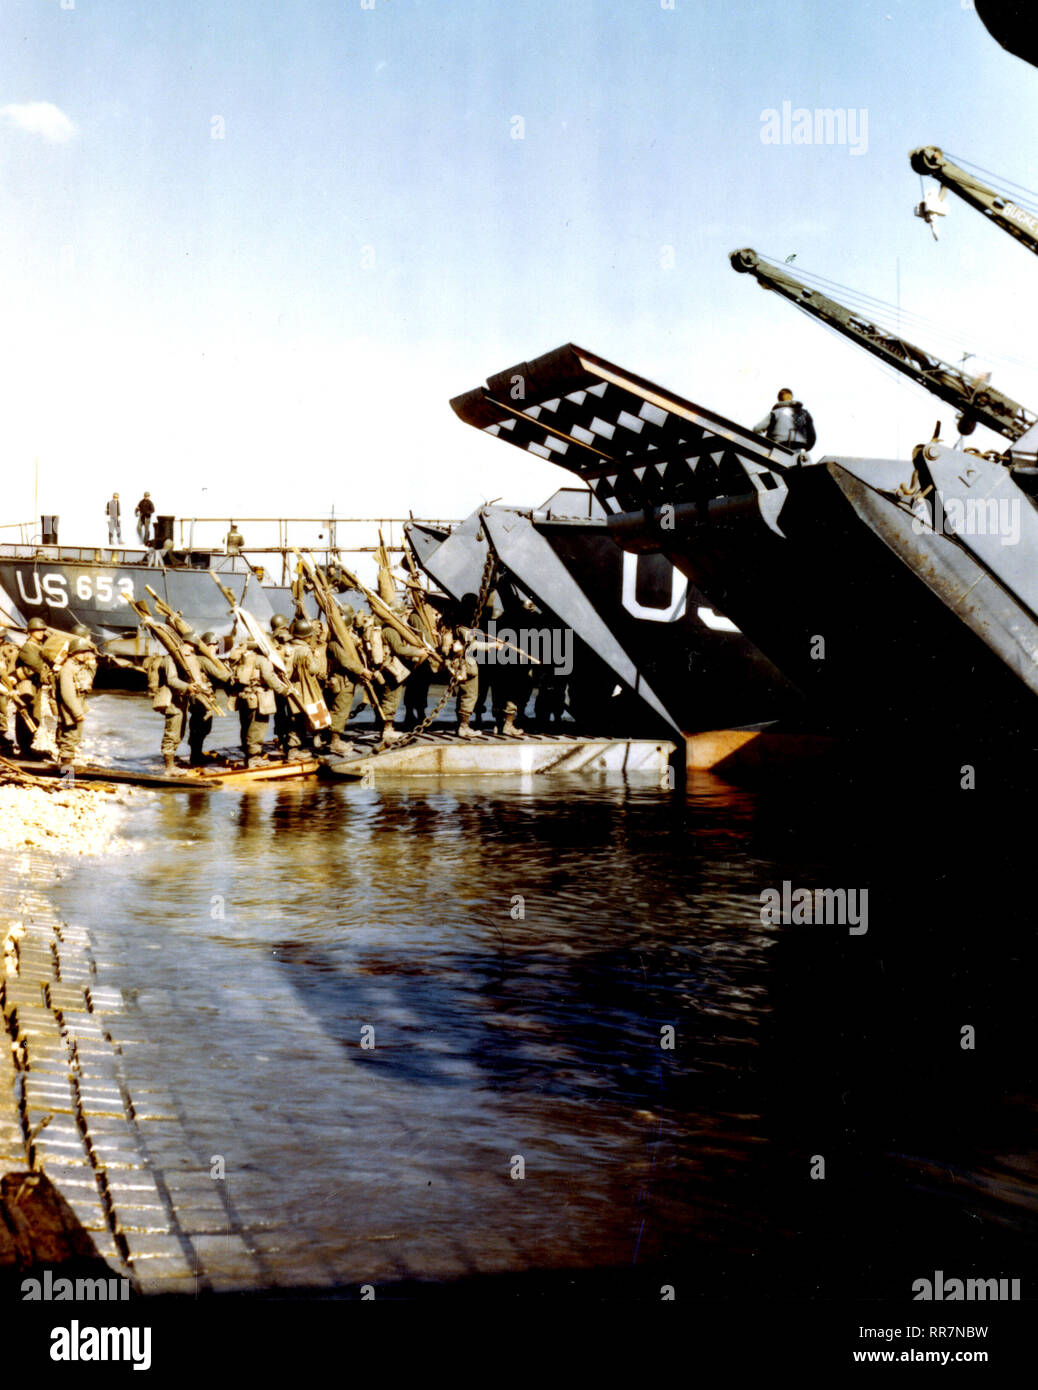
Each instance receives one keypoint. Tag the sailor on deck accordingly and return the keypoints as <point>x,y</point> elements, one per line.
<point>144,509</point>
<point>788,423</point>
<point>112,515</point>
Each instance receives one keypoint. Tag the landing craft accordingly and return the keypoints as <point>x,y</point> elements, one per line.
<point>637,620</point>
<point>881,621</point>
<point>91,585</point>
<point>818,564</point>
<point>67,585</point>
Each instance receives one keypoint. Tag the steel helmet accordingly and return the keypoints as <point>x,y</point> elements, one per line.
<point>35,624</point>
<point>209,638</point>
<point>302,627</point>
<point>77,645</point>
<point>277,622</point>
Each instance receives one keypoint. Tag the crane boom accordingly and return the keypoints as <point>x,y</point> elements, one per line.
<point>997,207</point>
<point>977,401</point>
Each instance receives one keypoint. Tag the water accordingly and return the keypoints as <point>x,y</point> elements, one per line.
<point>258,934</point>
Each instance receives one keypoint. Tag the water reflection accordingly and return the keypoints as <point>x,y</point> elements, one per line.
<point>292,919</point>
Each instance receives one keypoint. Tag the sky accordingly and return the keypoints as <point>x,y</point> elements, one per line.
<point>250,248</point>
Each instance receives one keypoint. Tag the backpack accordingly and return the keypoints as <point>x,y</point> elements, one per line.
<point>804,426</point>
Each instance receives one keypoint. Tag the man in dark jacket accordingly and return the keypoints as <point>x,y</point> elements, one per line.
<point>143,511</point>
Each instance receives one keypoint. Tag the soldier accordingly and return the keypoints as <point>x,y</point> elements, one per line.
<point>290,727</point>
<point>550,701</point>
<point>400,658</point>
<point>170,699</point>
<point>91,655</point>
<point>200,718</point>
<point>345,669</point>
<point>8,699</point>
<point>74,680</point>
<point>318,644</point>
<point>176,698</point>
<point>461,646</point>
<point>34,679</point>
<point>257,683</point>
<point>463,667</point>
<point>416,695</point>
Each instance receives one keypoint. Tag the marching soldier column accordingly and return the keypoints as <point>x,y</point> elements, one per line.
<point>306,672</point>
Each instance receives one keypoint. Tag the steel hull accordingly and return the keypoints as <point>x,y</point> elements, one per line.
<point>844,573</point>
<point>636,619</point>
<point>66,585</point>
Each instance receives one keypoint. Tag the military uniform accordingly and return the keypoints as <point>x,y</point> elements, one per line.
<point>33,677</point>
<point>75,678</point>
<point>344,671</point>
<point>8,662</point>
<point>460,646</point>
<point>416,695</point>
<point>172,697</point>
<point>290,728</point>
<point>257,683</point>
<point>200,718</point>
<point>399,660</point>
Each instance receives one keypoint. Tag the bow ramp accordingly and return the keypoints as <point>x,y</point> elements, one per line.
<point>637,446</point>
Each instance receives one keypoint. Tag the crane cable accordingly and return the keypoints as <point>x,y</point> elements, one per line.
<point>1022,194</point>
<point>866,305</point>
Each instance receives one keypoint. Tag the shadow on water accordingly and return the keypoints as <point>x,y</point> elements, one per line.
<point>399,909</point>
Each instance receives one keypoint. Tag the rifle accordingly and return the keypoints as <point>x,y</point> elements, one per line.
<point>417,593</point>
<point>187,661</point>
<point>337,625</point>
<point>502,645</point>
<point>386,587</point>
<point>18,701</point>
<point>313,709</point>
<point>178,623</point>
<point>252,627</point>
<point>382,610</point>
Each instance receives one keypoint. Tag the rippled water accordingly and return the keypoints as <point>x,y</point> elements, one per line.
<point>499,1035</point>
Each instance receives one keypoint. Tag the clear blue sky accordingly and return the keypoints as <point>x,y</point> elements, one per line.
<point>280,316</point>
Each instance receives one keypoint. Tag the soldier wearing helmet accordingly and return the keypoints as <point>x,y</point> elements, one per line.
<point>33,681</point>
<point>172,699</point>
<point>346,665</point>
<point>81,630</point>
<point>74,680</point>
<point>401,658</point>
<point>199,713</point>
<point>291,727</point>
<point>8,699</point>
<point>257,682</point>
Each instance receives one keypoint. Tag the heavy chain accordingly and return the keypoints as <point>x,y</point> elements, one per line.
<point>485,585</point>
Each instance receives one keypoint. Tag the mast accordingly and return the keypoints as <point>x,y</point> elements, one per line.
<point>977,401</point>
